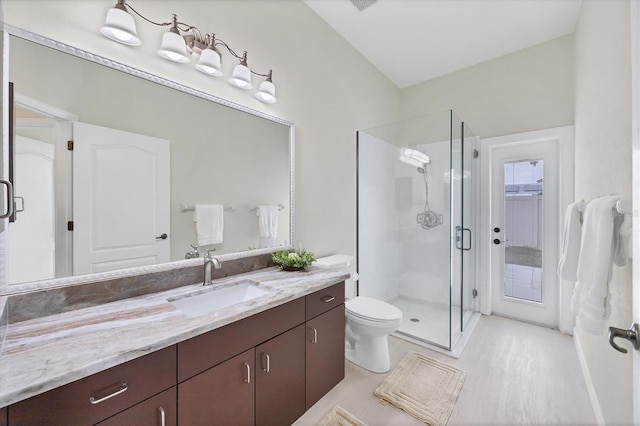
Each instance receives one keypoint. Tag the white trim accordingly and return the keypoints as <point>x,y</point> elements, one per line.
<point>591,390</point>
<point>566,149</point>
<point>43,109</point>
<point>635,148</point>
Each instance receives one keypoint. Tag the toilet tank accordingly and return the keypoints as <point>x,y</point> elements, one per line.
<point>343,262</point>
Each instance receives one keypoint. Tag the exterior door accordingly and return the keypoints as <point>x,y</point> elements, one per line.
<point>524,230</point>
<point>120,199</point>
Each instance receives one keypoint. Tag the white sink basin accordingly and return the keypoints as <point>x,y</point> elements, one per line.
<point>209,301</point>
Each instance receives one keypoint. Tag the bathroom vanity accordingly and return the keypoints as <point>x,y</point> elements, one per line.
<point>143,361</point>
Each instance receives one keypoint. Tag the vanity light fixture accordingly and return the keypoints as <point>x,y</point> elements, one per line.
<point>182,41</point>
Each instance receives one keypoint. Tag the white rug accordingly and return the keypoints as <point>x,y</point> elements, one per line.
<point>338,416</point>
<point>423,387</point>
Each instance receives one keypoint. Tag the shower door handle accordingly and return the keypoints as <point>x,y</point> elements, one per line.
<point>460,238</point>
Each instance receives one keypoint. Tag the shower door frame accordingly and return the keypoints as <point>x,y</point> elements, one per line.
<point>474,193</point>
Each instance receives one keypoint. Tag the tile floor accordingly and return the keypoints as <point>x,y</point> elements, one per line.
<point>523,282</point>
<point>517,373</point>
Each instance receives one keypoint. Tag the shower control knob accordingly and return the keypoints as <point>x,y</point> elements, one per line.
<point>497,241</point>
<point>496,229</point>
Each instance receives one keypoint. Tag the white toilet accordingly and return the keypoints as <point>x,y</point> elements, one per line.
<point>369,322</point>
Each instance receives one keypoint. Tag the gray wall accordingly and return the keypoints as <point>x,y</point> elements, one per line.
<point>530,89</point>
<point>603,166</point>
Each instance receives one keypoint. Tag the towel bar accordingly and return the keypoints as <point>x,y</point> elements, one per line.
<point>280,207</point>
<point>186,208</point>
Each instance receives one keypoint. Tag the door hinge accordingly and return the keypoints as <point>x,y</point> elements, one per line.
<point>475,153</point>
<point>70,225</point>
<point>69,145</point>
<point>474,293</point>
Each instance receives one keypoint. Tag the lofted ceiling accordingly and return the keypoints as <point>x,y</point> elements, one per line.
<point>411,41</point>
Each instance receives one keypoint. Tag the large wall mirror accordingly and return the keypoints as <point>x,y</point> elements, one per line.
<point>145,152</point>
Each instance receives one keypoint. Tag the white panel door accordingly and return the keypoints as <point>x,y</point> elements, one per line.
<point>32,236</point>
<point>120,199</point>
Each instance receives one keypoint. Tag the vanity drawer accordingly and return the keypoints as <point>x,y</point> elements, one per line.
<point>207,350</point>
<point>323,300</point>
<point>87,401</point>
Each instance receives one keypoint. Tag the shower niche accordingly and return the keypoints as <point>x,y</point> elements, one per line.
<point>415,223</point>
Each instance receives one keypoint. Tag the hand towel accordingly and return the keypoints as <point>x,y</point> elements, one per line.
<point>268,223</point>
<point>622,239</point>
<point>568,266</point>
<point>592,300</point>
<point>209,219</point>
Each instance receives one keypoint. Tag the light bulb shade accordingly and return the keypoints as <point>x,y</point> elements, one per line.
<point>173,48</point>
<point>241,77</point>
<point>267,92</point>
<point>119,26</point>
<point>209,62</point>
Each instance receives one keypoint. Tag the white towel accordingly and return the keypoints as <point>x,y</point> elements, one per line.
<point>591,300</point>
<point>623,239</point>
<point>209,219</point>
<point>568,266</point>
<point>268,223</point>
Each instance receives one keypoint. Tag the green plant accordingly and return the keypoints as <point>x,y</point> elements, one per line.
<point>292,259</point>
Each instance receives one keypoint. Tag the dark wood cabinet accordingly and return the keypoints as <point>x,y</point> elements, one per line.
<point>324,353</point>
<point>266,369</point>
<point>159,410</point>
<point>97,397</point>
<point>222,395</point>
<point>280,378</point>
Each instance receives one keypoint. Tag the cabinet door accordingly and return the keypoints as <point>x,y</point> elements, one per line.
<point>159,410</point>
<point>280,381</point>
<point>222,395</point>
<point>325,353</point>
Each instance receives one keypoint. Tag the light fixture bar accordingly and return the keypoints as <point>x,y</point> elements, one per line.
<point>178,47</point>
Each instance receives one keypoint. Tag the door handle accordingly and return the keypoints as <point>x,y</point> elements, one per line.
<point>632,335</point>
<point>9,199</point>
<point>162,237</point>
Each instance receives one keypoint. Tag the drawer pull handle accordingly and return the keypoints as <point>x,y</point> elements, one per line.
<point>162,416</point>
<point>248,379</point>
<point>315,336</point>
<point>327,299</point>
<point>267,369</point>
<point>116,393</point>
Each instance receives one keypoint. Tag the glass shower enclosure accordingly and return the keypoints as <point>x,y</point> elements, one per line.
<point>415,227</point>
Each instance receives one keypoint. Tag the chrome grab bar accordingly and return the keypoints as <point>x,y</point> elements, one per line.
<point>116,393</point>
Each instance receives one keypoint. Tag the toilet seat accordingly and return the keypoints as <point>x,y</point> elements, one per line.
<point>372,309</point>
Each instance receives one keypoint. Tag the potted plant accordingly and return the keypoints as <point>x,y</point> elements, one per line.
<point>296,260</point>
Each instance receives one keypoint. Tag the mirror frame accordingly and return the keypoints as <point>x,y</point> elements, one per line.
<point>6,289</point>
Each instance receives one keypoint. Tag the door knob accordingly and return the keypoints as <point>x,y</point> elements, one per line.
<point>162,237</point>
<point>632,335</point>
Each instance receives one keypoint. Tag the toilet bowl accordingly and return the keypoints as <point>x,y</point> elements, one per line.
<point>369,322</point>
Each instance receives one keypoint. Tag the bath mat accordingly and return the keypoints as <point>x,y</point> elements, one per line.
<point>338,416</point>
<point>423,387</point>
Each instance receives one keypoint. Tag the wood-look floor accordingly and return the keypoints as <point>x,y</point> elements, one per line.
<point>517,373</point>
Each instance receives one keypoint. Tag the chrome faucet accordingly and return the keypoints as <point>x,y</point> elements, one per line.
<point>209,261</point>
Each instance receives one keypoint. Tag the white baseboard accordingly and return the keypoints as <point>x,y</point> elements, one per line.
<point>595,404</point>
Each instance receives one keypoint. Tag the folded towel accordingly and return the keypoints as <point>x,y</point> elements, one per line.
<point>209,219</point>
<point>568,266</point>
<point>592,299</point>
<point>268,223</point>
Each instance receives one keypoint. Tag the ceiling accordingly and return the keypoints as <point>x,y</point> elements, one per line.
<point>411,41</point>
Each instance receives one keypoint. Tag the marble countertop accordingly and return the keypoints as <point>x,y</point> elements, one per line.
<point>44,353</point>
